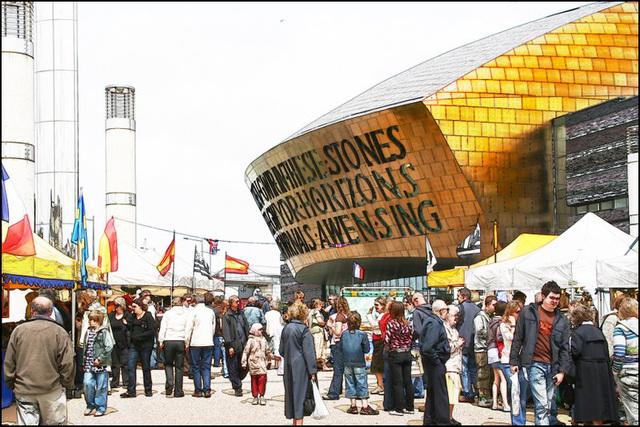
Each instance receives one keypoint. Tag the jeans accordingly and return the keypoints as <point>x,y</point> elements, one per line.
<point>173,360</point>
<point>418,387</point>
<point>355,381</point>
<point>119,362</point>
<point>469,375</point>
<point>225,370</point>
<point>525,393</point>
<point>154,360</point>
<point>335,389</point>
<point>95,390</point>
<point>542,390</point>
<point>144,354</point>
<point>401,380</point>
<point>217,351</point>
<point>201,362</point>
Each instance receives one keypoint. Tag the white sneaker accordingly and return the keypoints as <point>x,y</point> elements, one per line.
<point>378,390</point>
<point>255,401</point>
<point>394,412</point>
<point>263,401</point>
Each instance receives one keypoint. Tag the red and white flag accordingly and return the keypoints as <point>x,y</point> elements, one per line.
<point>358,271</point>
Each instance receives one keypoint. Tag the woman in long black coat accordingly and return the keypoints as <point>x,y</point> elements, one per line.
<point>595,399</point>
<point>299,358</point>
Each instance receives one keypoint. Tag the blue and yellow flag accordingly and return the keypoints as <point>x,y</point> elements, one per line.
<point>79,237</point>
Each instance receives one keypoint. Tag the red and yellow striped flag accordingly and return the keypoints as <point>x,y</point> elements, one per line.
<point>108,250</point>
<point>167,259</point>
<point>235,265</point>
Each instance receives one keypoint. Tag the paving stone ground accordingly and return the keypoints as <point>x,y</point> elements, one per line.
<point>225,409</point>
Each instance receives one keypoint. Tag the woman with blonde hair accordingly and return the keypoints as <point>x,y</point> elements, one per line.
<point>506,331</point>
<point>316,327</point>
<point>299,360</point>
<point>625,357</point>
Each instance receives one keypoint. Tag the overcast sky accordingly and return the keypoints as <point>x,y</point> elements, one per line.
<point>219,84</point>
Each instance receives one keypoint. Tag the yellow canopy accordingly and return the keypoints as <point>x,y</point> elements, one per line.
<point>47,268</point>
<point>522,244</point>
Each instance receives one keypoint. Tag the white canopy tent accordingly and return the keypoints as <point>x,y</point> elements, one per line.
<point>138,268</point>
<point>619,272</point>
<point>570,260</point>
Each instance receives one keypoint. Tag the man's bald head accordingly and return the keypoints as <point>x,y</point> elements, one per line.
<point>418,299</point>
<point>42,306</point>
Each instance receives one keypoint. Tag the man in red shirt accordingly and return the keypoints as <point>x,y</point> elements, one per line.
<point>541,348</point>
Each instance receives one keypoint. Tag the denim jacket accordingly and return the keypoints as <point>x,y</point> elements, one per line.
<point>102,346</point>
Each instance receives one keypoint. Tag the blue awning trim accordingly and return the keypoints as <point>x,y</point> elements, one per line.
<point>47,283</point>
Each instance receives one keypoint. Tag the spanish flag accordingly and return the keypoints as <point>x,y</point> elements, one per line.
<point>167,259</point>
<point>108,250</point>
<point>235,265</point>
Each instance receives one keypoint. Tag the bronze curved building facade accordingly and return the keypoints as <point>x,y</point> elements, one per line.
<point>463,136</point>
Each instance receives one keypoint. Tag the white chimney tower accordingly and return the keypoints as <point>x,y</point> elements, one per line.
<point>56,124</point>
<point>120,155</point>
<point>18,147</point>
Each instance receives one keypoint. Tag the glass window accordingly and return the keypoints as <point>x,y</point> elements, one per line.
<point>594,207</point>
<point>606,205</point>
<point>581,210</point>
<point>621,202</point>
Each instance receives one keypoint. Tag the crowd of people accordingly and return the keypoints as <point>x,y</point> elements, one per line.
<point>497,354</point>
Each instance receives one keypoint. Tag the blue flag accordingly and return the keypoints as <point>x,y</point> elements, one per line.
<point>79,237</point>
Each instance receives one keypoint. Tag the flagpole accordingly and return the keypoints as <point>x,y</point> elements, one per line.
<point>173,267</point>
<point>426,267</point>
<point>495,240</point>
<point>224,289</point>
<point>193,277</point>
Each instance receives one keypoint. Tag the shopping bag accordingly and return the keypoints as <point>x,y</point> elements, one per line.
<point>515,395</point>
<point>321,410</point>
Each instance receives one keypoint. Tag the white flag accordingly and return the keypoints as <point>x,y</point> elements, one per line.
<point>431,256</point>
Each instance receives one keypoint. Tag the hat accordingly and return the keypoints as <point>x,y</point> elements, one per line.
<point>255,328</point>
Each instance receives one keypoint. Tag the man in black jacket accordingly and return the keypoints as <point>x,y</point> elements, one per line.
<point>235,332</point>
<point>435,351</point>
<point>469,377</point>
<point>541,348</point>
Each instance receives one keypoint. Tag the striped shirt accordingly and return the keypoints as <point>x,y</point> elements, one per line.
<point>625,347</point>
<point>88,355</point>
<point>398,335</point>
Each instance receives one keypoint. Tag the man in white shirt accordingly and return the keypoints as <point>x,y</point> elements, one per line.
<point>201,326</point>
<point>171,339</point>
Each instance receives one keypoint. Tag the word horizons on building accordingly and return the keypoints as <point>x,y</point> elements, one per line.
<point>314,184</point>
